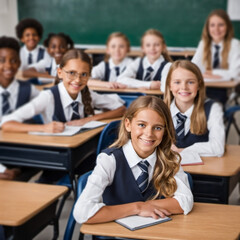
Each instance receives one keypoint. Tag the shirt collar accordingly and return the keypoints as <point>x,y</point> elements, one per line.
<point>174,110</point>
<point>120,65</point>
<point>11,88</point>
<point>155,65</point>
<point>64,95</point>
<point>34,51</point>
<point>132,157</point>
<point>219,44</point>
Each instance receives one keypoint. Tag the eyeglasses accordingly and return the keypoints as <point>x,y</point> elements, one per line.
<point>72,75</point>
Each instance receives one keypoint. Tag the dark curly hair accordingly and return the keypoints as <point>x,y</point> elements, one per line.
<point>67,38</point>
<point>9,42</point>
<point>29,23</point>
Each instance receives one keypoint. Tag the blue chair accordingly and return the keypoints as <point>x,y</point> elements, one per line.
<point>129,97</point>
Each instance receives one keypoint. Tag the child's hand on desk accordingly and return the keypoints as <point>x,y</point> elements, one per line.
<point>116,85</point>
<point>176,149</point>
<point>78,122</point>
<point>146,209</point>
<point>208,74</point>
<point>155,85</point>
<point>10,174</point>
<point>54,127</point>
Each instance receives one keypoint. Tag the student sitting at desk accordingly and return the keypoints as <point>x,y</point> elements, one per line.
<point>139,174</point>
<point>148,71</point>
<point>198,121</point>
<point>13,93</point>
<point>218,53</point>
<point>114,64</point>
<point>57,45</point>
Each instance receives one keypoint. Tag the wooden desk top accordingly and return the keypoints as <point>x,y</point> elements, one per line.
<point>138,53</point>
<point>54,141</point>
<point>20,201</point>
<point>127,90</point>
<point>206,221</point>
<point>222,84</point>
<point>228,165</point>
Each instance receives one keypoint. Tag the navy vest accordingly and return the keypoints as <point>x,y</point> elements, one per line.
<point>49,69</point>
<point>158,75</point>
<point>189,139</point>
<point>124,188</point>
<point>40,54</point>
<point>107,72</point>
<point>24,93</point>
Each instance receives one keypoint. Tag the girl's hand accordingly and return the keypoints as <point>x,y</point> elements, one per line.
<point>146,209</point>
<point>176,149</point>
<point>115,85</point>
<point>10,174</point>
<point>78,122</point>
<point>54,127</point>
<point>155,85</point>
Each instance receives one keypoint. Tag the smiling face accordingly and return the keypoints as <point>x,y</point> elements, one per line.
<point>30,38</point>
<point>117,48</point>
<point>152,46</point>
<point>184,87</point>
<point>9,64</point>
<point>57,47</point>
<point>75,76</point>
<point>217,28</point>
<point>146,130</point>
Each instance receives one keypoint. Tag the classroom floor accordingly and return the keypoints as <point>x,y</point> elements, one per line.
<point>47,233</point>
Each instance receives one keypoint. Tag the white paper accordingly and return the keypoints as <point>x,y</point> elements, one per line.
<point>138,222</point>
<point>46,80</point>
<point>190,158</point>
<point>217,80</point>
<point>72,130</point>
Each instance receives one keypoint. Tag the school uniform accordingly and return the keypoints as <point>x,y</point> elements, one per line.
<point>135,75</point>
<point>110,173</point>
<point>45,105</point>
<point>108,71</point>
<point>29,57</point>
<point>46,65</point>
<point>209,144</point>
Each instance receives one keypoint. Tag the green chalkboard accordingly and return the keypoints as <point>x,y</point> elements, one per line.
<point>91,21</point>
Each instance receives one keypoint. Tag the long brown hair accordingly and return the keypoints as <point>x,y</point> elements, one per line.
<point>86,97</point>
<point>116,35</point>
<point>168,161</point>
<point>158,34</point>
<point>198,117</point>
<point>207,40</point>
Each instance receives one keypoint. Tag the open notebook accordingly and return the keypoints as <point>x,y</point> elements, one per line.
<point>190,158</point>
<point>138,222</point>
<point>72,130</point>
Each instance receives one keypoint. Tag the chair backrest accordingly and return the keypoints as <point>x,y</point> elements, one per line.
<point>108,135</point>
<point>190,180</point>
<point>71,221</point>
<point>129,97</point>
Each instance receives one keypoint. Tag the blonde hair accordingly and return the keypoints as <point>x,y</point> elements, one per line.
<point>198,118</point>
<point>157,33</point>
<point>207,40</point>
<point>116,35</point>
<point>168,161</point>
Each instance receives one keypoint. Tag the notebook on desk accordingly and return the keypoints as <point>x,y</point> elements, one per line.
<point>72,130</point>
<point>137,222</point>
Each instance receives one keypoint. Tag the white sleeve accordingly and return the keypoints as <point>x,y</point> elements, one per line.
<point>2,168</point>
<point>198,57</point>
<point>98,71</point>
<point>34,107</point>
<point>106,101</point>
<point>41,65</point>
<point>216,142</point>
<point>183,193</point>
<point>233,70</point>
<point>164,76</point>
<point>34,92</point>
<point>90,201</point>
<point>128,77</point>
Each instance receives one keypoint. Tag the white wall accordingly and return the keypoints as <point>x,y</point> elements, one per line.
<point>8,17</point>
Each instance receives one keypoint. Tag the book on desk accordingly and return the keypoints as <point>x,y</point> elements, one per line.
<point>72,130</point>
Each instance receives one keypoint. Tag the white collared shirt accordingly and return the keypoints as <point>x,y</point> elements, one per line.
<point>216,142</point>
<point>13,90</point>
<point>128,77</point>
<point>98,72</point>
<point>24,53</point>
<point>46,63</point>
<point>91,200</point>
<point>44,104</point>
<point>233,70</point>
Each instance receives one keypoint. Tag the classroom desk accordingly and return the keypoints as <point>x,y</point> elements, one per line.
<point>127,90</point>
<point>216,178</point>
<point>27,208</point>
<point>48,152</point>
<point>206,221</point>
<point>222,84</point>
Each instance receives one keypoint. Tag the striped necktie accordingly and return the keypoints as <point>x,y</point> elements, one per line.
<point>142,180</point>
<point>148,74</point>
<point>180,125</point>
<point>30,58</point>
<point>216,60</point>
<point>5,103</point>
<point>75,114</point>
<point>117,69</point>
